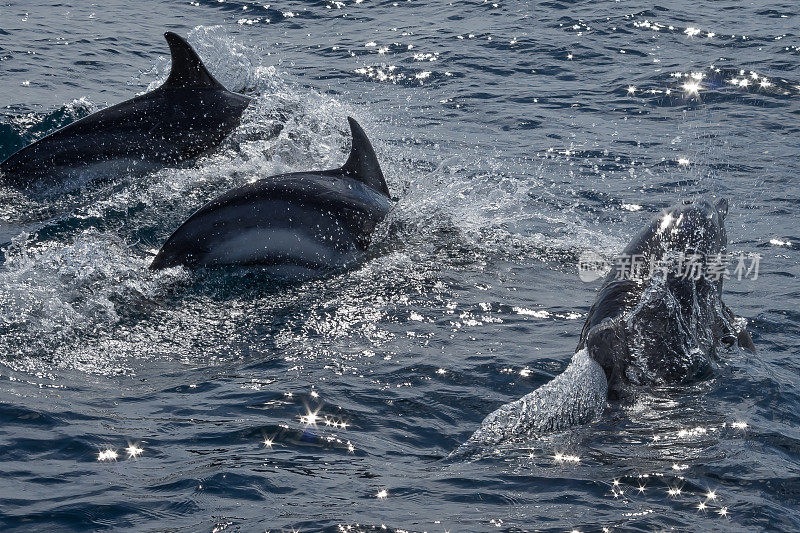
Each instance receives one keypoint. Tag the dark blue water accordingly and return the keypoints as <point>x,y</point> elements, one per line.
<point>516,135</point>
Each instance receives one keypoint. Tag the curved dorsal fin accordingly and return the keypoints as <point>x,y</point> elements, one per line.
<point>722,207</point>
<point>188,69</point>
<point>362,165</point>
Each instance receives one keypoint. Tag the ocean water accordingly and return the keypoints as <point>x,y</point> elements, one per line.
<point>516,135</point>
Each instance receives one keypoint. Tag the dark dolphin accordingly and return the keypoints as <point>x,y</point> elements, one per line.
<point>647,330</point>
<point>187,115</point>
<point>304,220</point>
<point>665,329</point>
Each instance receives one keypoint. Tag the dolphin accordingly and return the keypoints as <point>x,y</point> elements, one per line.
<point>300,222</point>
<point>189,114</point>
<point>667,330</point>
<point>662,328</point>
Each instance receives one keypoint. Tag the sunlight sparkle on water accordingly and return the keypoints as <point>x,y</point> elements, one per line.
<point>335,423</point>
<point>382,494</point>
<point>107,455</point>
<point>310,419</point>
<point>691,88</point>
<point>562,458</point>
<point>684,433</point>
<point>134,451</point>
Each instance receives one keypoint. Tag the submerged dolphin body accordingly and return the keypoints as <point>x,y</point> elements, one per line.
<point>658,331</point>
<point>310,221</point>
<point>187,115</point>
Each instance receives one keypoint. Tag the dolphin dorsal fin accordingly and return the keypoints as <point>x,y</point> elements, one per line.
<point>362,165</point>
<point>188,70</point>
<point>722,207</point>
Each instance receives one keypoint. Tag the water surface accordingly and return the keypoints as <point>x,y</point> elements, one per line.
<point>516,135</point>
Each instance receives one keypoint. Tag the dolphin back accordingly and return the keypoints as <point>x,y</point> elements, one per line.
<point>189,114</point>
<point>318,220</point>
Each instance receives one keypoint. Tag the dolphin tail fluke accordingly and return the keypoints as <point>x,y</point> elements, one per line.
<point>188,70</point>
<point>576,396</point>
<point>362,164</point>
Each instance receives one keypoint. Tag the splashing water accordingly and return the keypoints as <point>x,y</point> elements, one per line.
<point>576,396</point>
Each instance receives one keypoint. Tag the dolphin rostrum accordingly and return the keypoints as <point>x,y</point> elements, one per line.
<point>309,221</point>
<point>659,329</point>
<point>187,115</point>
